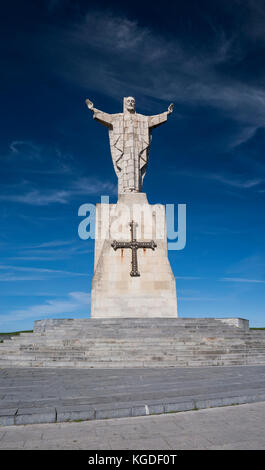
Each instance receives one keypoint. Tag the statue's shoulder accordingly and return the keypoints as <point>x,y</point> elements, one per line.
<point>116,120</point>
<point>141,117</point>
<point>117,116</point>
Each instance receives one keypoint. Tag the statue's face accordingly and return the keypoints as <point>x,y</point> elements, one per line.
<point>130,104</point>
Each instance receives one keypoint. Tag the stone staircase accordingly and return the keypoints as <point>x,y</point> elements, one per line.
<point>135,342</point>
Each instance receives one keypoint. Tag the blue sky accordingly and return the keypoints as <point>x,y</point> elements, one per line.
<point>208,58</point>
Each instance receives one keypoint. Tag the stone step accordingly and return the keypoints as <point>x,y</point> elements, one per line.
<point>130,323</point>
<point>83,345</point>
<point>142,323</point>
<point>113,343</point>
<point>133,347</point>
<point>136,341</point>
<point>127,356</point>
<point>197,346</point>
<point>136,334</point>
<point>136,347</point>
<point>129,320</point>
<point>132,364</point>
<point>170,336</point>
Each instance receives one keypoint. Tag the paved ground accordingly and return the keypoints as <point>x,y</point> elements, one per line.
<point>29,396</point>
<point>233,427</point>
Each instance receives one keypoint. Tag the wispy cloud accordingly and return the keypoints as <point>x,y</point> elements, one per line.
<point>9,273</point>
<point>44,159</point>
<point>251,267</point>
<point>53,244</point>
<point>236,181</point>
<point>188,278</point>
<point>38,197</point>
<point>199,299</point>
<point>45,197</point>
<point>25,148</point>
<point>254,27</point>
<point>114,54</point>
<point>47,251</point>
<point>73,303</point>
<point>241,279</point>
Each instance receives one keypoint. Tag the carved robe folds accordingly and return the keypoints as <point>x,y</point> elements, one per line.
<point>130,138</point>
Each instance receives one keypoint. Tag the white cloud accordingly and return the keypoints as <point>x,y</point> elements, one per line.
<point>188,278</point>
<point>38,198</point>
<point>236,181</point>
<point>51,308</point>
<point>118,56</point>
<point>25,148</point>
<point>50,250</point>
<point>45,159</point>
<point>81,186</point>
<point>22,273</point>
<point>241,279</point>
<point>199,299</point>
<point>53,244</point>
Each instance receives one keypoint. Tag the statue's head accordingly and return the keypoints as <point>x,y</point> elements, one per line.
<point>130,104</point>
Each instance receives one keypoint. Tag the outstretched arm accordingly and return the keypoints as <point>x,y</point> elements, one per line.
<point>100,116</point>
<point>158,119</point>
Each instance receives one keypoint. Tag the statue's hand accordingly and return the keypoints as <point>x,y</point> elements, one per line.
<point>89,104</point>
<point>170,108</point>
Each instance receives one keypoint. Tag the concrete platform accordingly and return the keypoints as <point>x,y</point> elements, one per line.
<point>47,395</point>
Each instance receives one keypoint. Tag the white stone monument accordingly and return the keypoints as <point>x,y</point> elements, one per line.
<point>132,273</point>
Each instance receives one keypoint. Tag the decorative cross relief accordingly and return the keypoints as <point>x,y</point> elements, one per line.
<point>134,245</point>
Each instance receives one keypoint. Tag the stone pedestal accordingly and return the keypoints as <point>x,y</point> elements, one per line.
<point>115,293</point>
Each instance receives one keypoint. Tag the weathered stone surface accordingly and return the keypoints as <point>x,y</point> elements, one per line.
<point>115,293</point>
<point>135,342</point>
<point>130,139</point>
<point>238,322</point>
<point>74,412</point>
<point>118,288</point>
<point>7,416</point>
<point>32,415</point>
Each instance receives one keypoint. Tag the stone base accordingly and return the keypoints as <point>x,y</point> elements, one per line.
<point>115,293</point>
<point>135,342</point>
